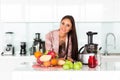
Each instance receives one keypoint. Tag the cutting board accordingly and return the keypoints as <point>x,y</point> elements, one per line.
<point>43,68</point>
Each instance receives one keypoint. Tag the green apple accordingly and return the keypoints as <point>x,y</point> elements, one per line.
<point>66,67</point>
<point>80,63</point>
<point>71,65</point>
<point>76,66</point>
<point>68,62</point>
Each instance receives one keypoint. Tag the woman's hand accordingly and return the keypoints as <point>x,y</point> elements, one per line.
<point>62,58</point>
<point>70,59</point>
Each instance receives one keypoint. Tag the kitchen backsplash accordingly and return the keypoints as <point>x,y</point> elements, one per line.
<point>25,32</point>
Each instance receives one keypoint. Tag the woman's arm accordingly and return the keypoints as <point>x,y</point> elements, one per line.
<point>48,41</point>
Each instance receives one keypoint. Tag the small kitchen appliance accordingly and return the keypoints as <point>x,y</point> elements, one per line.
<point>38,44</point>
<point>9,48</point>
<point>89,49</point>
<point>23,48</point>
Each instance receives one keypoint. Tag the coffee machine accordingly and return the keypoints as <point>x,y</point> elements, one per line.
<point>88,49</point>
<point>23,48</point>
<point>8,48</point>
<point>38,44</point>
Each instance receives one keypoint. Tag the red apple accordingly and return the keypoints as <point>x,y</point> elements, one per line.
<point>52,53</point>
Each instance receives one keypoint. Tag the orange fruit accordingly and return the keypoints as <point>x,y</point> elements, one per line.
<point>37,54</point>
<point>54,61</point>
<point>46,64</point>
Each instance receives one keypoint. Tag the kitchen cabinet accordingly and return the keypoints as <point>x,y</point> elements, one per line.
<point>69,7</point>
<point>42,11</point>
<point>9,63</point>
<point>11,10</point>
<point>27,11</point>
<point>110,10</point>
<point>68,10</point>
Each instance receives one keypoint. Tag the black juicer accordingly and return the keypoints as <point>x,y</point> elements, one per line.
<point>38,44</point>
<point>90,47</point>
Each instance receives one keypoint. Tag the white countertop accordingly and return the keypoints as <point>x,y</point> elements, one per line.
<point>106,71</point>
<point>25,62</point>
<point>105,66</point>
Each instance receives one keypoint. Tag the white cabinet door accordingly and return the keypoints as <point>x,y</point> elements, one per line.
<point>93,10</point>
<point>109,10</point>
<point>70,7</point>
<point>11,11</point>
<point>40,11</point>
<point>102,10</point>
<point>68,10</point>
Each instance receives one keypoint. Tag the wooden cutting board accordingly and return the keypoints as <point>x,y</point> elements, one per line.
<point>43,68</point>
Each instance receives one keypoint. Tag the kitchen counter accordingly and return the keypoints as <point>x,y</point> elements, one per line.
<point>21,69</point>
<point>106,71</point>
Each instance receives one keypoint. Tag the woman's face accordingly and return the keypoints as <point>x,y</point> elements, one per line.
<point>65,26</point>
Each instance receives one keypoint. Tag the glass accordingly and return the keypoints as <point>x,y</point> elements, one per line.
<point>92,62</point>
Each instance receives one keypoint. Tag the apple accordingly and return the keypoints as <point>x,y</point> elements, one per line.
<point>69,63</point>
<point>76,66</point>
<point>52,53</point>
<point>45,58</point>
<point>66,67</point>
<point>61,62</point>
<point>80,63</point>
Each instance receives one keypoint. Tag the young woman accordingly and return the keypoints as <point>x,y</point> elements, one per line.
<point>64,40</point>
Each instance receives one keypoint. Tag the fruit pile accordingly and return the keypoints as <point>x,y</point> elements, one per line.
<point>50,59</point>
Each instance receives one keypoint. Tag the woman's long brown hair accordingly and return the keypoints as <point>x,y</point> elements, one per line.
<point>73,35</point>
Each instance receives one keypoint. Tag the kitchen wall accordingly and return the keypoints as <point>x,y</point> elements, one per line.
<point>27,17</point>
<point>25,32</point>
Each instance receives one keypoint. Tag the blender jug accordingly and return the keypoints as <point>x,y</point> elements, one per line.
<point>9,38</point>
<point>9,48</point>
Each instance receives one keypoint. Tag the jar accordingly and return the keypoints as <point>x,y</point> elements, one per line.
<point>92,62</point>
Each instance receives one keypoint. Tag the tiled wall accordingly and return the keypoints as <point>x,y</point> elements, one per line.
<point>26,32</point>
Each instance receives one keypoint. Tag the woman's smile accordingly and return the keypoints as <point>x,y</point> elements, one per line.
<point>65,26</point>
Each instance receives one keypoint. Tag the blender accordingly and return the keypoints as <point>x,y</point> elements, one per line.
<point>9,48</point>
